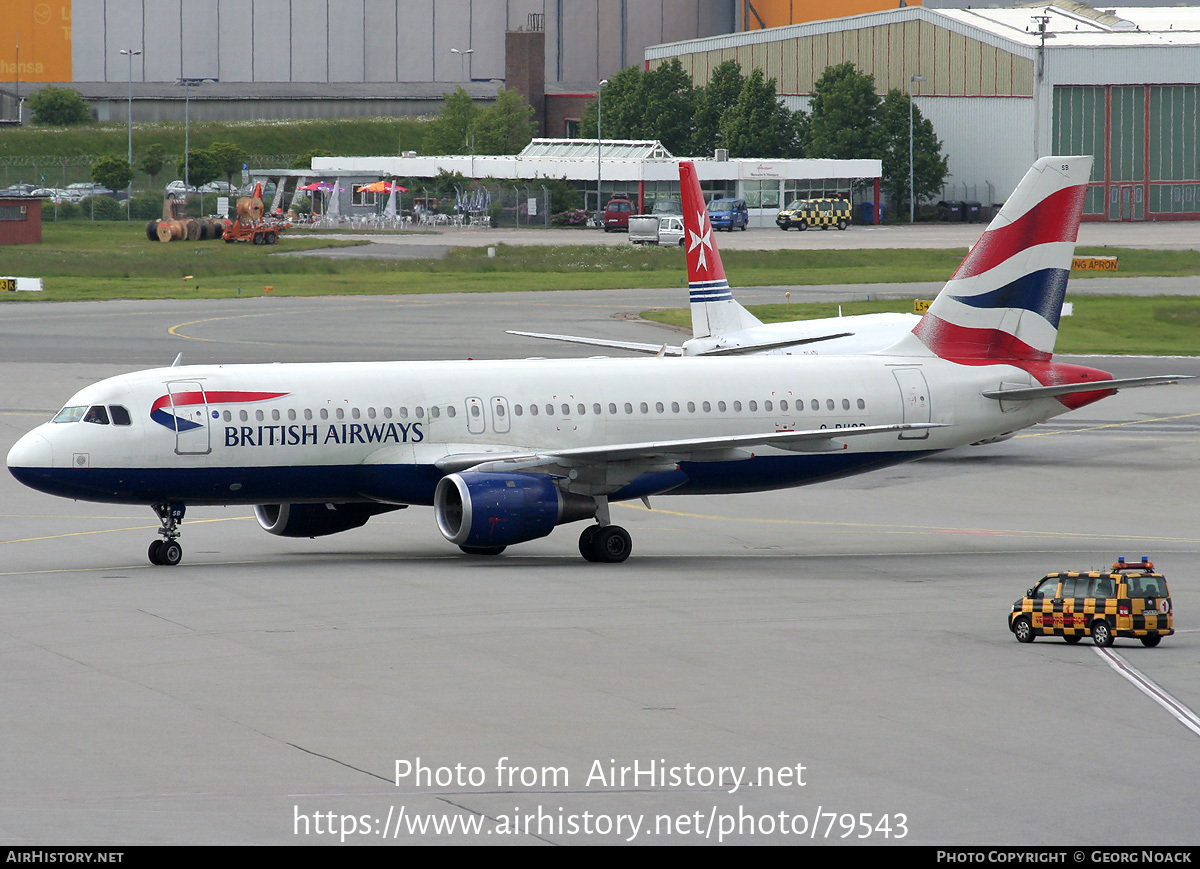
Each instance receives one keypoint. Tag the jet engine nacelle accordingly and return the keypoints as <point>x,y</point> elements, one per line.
<point>487,509</point>
<point>315,520</point>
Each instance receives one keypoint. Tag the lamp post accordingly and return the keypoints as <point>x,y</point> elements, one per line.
<point>599,204</point>
<point>188,84</point>
<point>130,52</point>
<point>912,192</point>
<point>462,62</point>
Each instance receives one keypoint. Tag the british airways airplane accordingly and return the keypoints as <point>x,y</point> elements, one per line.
<point>505,451</point>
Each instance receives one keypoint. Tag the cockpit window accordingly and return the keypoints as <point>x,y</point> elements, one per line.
<point>97,414</point>
<point>120,416</point>
<point>71,414</point>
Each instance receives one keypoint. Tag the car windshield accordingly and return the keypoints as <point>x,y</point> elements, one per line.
<point>718,207</point>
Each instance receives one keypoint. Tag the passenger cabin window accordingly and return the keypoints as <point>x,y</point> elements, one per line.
<point>120,416</point>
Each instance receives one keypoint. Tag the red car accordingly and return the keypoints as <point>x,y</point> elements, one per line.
<point>616,214</point>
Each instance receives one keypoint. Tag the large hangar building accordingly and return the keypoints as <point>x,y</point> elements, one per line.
<point>1004,86</point>
<point>321,58</point>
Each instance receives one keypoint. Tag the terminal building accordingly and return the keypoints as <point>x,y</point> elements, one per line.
<point>644,171</point>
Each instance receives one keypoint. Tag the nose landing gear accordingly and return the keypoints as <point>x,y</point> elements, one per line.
<point>167,551</point>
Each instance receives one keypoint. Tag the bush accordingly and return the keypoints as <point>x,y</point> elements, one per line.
<point>570,217</point>
<point>146,206</point>
<point>102,208</point>
<point>66,211</point>
<point>59,107</point>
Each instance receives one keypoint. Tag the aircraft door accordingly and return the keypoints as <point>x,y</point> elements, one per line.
<point>914,398</point>
<point>499,414</point>
<point>189,408</point>
<point>476,415</point>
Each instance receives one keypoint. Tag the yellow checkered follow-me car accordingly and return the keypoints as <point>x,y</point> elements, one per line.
<point>803,213</point>
<point>1131,600</point>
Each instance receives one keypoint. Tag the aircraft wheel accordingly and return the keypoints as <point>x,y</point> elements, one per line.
<point>611,544</point>
<point>1073,638</point>
<point>1151,641</point>
<point>1102,634</point>
<point>154,552</point>
<point>586,542</point>
<point>1023,629</point>
<point>170,553</point>
<point>482,550</point>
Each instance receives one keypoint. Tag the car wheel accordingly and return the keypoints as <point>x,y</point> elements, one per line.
<point>1072,639</point>
<point>682,242</point>
<point>784,227</point>
<point>1151,641</point>
<point>802,226</point>
<point>1102,634</point>
<point>1023,630</point>
<point>841,224</point>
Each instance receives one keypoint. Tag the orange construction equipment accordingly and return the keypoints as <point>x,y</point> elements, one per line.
<point>251,225</point>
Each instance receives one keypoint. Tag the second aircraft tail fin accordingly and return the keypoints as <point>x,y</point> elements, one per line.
<point>714,310</point>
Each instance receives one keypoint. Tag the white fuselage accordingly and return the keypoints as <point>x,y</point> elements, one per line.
<point>376,431</point>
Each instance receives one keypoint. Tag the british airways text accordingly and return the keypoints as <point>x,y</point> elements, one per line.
<point>302,435</point>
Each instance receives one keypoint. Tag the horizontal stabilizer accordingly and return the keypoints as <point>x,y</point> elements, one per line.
<point>744,349</point>
<point>1031,393</point>
<point>634,346</point>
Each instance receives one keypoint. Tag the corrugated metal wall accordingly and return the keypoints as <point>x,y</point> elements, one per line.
<point>372,40</point>
<point>953,64</point>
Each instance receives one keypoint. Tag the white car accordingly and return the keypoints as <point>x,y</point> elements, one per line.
<point>178,188</point>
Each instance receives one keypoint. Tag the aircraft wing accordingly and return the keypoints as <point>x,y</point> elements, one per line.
<point>1034,392</point>
<point>721,448</point>
<point>635,346</point>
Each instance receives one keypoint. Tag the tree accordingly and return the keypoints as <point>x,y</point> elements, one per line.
<point>304,161</point>
<point>929,165</point>
<point>841,123</point>
<point>450,131</point>
<point>505,127</point>
<point>153,160</point>
<point>59,107</point>
<point>114,173</point>
<point>201,168</point>
<point>659,104</point>
<point>229,159</point>
<point>712,102</point>
<point>758,125</point>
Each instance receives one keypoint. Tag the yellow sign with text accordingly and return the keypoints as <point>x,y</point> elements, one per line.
<point>35,41</point>
<point>920,306</point>
<point>1094,263</point>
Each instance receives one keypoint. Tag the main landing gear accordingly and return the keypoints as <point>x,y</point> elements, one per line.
<point>604,542</point>
<point>167,551</point>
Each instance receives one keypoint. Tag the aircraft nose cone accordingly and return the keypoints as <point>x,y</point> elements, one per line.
<point>31,451</point>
